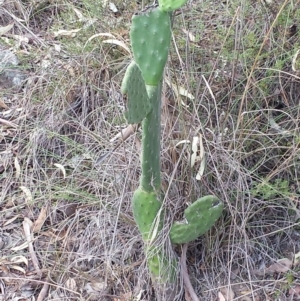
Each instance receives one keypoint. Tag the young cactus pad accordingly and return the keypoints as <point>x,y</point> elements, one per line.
<point>145,207</point>
<point>200,217</point>
<point>170,5</point>
<point>134,87</point>
<point>150,36</point>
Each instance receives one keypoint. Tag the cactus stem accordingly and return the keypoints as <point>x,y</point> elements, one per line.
<point>150,179</point>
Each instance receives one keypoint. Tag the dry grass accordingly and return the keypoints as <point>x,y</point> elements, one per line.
<point>239,63</point>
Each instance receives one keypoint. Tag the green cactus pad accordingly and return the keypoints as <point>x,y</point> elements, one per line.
<point>145,208</point>
<point>200,217</point>
<point>150,36</point>
<point>170,5</point>
<point>134,87</point>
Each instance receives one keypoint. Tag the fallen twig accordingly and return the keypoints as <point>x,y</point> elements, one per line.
<point>185,275</point>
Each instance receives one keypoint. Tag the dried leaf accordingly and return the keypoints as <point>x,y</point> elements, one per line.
<point>201,159</point>
<point>20,39</point>
<point>194,150</point>
<point>227,293</point>
<point>221,297</point>
<point>179,91</point>
<point>190,35</point>
<point>29,224</point>
<point>297,258</point>
<point>124,134</point>
<point>11,220</point>
<point>28,195</point>
<point>16,267</point>
<point>21,247</point>
<point>197,147</point>
<point>57,47</point>
<point>17,167</point>
<point>117,42</point>
<point>62,168</point>
<point>113,7</point>
<point>102,34</point>
<point>92,287</point>
<point>19,259</point>
<point>139,296</point>
<point>3,105</point>
<point>71,284</point>
<point>37,226</point>
<point>182,142</point>
<point>185,93</point>
<point>124,297</point>
<point>79,14</point>
<point>7,264</point>
<point>66,33</point>
<point>246,298</point>
<point>4,268</point>
<point>98,286</point>
<point>295,64</point>
<point>43,293</point>
<point>5,29</point>
<point>201,169</point>
<point>281,266</point>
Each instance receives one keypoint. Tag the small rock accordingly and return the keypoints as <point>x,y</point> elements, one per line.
<point>10,76</point>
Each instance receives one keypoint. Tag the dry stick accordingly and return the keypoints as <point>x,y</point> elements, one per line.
<point>29,238</point>
<point>185,275</point>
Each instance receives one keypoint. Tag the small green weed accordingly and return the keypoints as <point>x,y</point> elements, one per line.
<point>268,190</point>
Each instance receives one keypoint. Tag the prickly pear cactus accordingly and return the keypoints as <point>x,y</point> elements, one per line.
<point>145,208</point>
<point>170,5</point>
<point>150,37</point>
<point>134,87</point>
<point>200,217</point>
<point>146,211</point>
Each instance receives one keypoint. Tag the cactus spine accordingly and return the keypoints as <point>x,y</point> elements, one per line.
<point>150,37</point>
